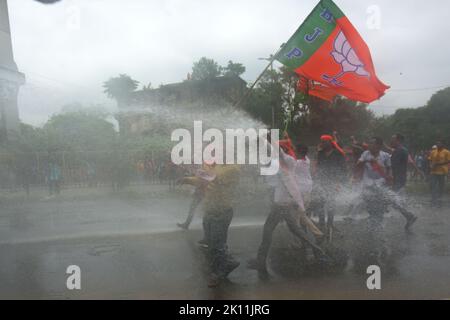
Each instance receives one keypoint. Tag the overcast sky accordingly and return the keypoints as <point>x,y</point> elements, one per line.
<point>68,49</point>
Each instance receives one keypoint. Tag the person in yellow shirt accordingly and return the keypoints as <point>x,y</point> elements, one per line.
<point>439,160</point>
<point>219,184</point>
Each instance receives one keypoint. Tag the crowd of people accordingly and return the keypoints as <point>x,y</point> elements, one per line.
<point>302,190</point>
<point>26,171</point>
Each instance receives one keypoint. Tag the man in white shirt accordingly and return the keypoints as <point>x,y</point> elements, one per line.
<point>376,182</point>
<point>292,186</point>
<point>377,196</point>
<point>303,173</point>
<point>377,165</point>
<point>376,179</point>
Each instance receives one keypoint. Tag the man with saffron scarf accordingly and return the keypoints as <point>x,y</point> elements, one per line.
<point>331,172</point>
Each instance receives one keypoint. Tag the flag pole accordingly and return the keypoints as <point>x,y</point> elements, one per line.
<point>249,90</point>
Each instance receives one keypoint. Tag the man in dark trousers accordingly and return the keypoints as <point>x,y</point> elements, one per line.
<point>330,174</point>
<point>288,206</point>
<point>219,183</point>
<point>399,166</point>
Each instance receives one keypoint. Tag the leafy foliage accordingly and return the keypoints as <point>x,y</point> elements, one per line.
<point>205,69</point>
<point>277,102</point>
<point>277,99</point>
<point>80,130</point>
<point>424,126</point>
<point>233,69</point>
<point>120,88</point>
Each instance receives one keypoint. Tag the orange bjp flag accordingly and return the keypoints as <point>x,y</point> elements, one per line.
<point>328,49</point>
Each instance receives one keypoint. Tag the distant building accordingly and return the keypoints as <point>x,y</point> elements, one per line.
<point>10,80</point>
<point>136,118</point>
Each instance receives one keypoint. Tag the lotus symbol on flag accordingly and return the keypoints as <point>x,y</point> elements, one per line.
<point>346,56</point>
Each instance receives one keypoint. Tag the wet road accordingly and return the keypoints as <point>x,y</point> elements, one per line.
<point>129,248</point>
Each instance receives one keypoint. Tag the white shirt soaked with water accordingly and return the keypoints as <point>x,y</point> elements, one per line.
<point>296,176</point>
<point>370,176</point>
<point>303,173</point>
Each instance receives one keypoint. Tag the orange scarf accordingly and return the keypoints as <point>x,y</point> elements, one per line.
<point>329,138</point>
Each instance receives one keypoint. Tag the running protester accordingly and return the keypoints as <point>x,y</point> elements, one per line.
<point>220,184</point>
<point>376,182</point>
<point>399,161</point>
<point>292,188</point>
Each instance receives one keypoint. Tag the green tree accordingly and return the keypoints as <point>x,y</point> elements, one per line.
<point>343,115</point>
<point>79,131</point>
<point>422,126</point>
<point>120,88</point>
<point>147,87</point>
<point>295,103</point>
<point>265,102</point>
<point>233,69</point>
<point>205,69</point>
<point>305,117</point>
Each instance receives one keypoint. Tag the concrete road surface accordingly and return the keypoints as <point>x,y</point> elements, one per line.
<point>130,248</point>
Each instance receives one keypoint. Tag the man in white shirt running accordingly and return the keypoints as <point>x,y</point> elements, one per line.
<point>292,186</point>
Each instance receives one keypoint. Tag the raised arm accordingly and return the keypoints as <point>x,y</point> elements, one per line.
<point>193,181</point>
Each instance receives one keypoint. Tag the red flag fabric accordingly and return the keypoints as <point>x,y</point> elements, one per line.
<point>329,50</point>
<point>316,89</point>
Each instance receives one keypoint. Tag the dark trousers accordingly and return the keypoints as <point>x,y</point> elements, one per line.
<point>400,206</point>
<point>437,187</point>
<point>215,227</point>
<point>325,206</point>
<point>378,199</point>
<point>399,183</point>
<point>377,204</point>
<point>53,186</point>
<point>278,214</point>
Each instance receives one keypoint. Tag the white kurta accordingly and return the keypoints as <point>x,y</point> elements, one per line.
<point>293,182</point>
